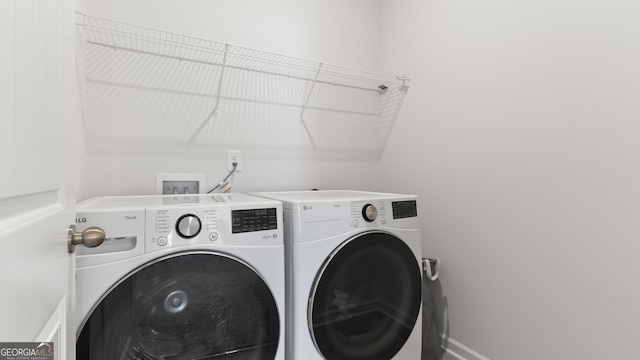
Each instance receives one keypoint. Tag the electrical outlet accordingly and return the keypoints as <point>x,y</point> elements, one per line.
<point>234,156</point>
<point>179,183</point>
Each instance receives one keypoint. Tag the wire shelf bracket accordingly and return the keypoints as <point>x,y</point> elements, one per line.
<point>214,112</point>
<point>304,107</point>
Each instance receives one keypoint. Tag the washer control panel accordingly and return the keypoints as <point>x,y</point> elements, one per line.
<point>176,226</point>
<point>135,225</point>
<point>249,220</point>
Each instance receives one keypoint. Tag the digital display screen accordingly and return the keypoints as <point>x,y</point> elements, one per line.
<point>404,209</point>
<point>253,220</point>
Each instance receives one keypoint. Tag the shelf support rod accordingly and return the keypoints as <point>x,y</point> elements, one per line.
<point>213,112</point>
<point>224,65</point>
<point>304,106</point>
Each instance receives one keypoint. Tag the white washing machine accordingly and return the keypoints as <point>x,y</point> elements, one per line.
<point>181,277</point>
<point>354,280</point>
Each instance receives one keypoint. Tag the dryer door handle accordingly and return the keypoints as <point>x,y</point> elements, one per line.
<point>91,237</point>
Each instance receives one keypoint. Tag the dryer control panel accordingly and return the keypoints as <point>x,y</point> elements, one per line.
<point>327,218</point>
<point>377,211</point>
<point>404,209</point>
<point>369,211</point>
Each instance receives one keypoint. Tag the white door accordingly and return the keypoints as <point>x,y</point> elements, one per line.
<point>38,111</point>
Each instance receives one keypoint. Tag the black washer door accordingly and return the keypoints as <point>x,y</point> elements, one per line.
<point>191,306</point>
<point>366,299</point>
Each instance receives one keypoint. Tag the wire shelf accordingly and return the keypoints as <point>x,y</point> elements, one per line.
<point>153,86</point>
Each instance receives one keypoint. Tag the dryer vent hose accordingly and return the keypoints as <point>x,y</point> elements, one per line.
<point>431,268</point>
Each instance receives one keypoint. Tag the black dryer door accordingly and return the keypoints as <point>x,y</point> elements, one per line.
<point>191,306</point>
<point>366,299</point>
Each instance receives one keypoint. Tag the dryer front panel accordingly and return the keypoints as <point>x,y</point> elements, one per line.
<point>193,305</point>
<point>366,298</point>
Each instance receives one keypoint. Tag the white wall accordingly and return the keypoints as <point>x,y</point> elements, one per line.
<point>521,127</point>
<point>335,32</point>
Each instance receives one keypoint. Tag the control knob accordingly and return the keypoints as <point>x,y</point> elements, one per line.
<point>188,226</point>
<point>369,212</point>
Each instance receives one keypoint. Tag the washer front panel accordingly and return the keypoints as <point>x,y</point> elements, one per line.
<point>366,298</point>
<point>192,305</point>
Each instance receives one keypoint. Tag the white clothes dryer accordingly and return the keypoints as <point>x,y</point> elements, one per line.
<point>181,277</point>
<point>354,280</point>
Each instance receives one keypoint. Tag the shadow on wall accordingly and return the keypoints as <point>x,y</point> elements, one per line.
<point>435,319</point>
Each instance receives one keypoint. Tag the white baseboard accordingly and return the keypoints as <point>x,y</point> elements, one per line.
<point>458,351</point>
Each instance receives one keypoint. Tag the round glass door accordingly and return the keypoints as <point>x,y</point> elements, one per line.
<point>366,299</point>
<point>191,306</point>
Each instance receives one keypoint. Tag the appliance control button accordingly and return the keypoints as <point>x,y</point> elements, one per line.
<point>369,212</point>
<point>213,236</point>
<point>383,221</point>
<point>162,241</point>
<point>355,223</point>
<point>188,226</point>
